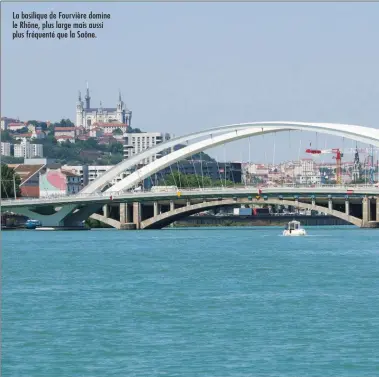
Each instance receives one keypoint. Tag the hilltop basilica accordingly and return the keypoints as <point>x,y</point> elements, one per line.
<point>87,115</point>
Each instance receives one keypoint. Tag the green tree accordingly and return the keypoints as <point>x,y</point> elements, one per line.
<point>192,181</point>
<point>23,130</point>
<point>117,131</point>
<point>201,156</point>
<point>64,123</point>
<point>6,136</point>
<point>12,160</point>
<point>134,130</point>
<point>91,143</point>
<point>9,180</point>
<point>115,148</point>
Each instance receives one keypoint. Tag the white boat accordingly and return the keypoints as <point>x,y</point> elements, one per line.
<point>294,229</point>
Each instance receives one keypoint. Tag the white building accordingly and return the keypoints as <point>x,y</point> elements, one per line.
<point>87,115</point>
<point>27,150</point>
<point>64,138</point>
<point>5,149</point>
<point>314,179</point>
<point>135,143</point>
<point>15,126</point>
<point>89,173</point>
<point>6,121</point>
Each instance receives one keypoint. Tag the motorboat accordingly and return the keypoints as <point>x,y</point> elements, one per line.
<point>294,229</point>
<point>32,224</point>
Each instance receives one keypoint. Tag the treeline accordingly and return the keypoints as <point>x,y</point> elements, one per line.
<point>192,181</point>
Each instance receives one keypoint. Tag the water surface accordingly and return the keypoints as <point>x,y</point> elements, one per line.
<point>191,302</point>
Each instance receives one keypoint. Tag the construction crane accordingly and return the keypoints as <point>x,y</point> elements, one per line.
<point>337,157</point>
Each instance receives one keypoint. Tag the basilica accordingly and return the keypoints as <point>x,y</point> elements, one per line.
<point>86,115</point>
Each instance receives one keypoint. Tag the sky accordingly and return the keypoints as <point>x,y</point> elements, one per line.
<point>185,67</point>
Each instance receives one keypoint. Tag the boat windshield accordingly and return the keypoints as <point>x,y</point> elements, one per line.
<point>293,225</point>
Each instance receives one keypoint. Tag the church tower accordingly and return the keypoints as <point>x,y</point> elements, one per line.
<point>120,110</point>
<point>88,98</point>
<point>356,172</point>
<point>79,111</point>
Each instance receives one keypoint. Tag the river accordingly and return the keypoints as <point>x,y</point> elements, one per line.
<point>197,302</point>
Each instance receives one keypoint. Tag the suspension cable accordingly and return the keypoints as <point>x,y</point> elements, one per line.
<point>178,167</point>
<point>197,178</point>
<point>219,172</point>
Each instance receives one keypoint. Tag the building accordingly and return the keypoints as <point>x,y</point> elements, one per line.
<point>63,138</point>
<point>5,149</point>
<point>217,171</point>
<point>65,131</point>
<point>56,182</point>
<point>15,126</point>
<point>314,179</point>
<point>109,128</point>
<point>86,115</point>
<point>26,136</point>
<point>253,173</point>
<point>357,168</point>
<point>96,132</point>
<point>135,143</point>
<point>29,175</point>
<point>89,173</point>
<point>6,121</point>
<point>28,150</point>
<point>37,133</point>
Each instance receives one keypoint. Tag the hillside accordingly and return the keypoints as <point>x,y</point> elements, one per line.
<point>82,152</point>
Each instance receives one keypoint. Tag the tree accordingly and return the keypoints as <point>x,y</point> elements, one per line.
<point>64,123</point>
<point>134,130</point>
<point>23,130</point>
<point>201,156</point>
<point>9,180</point>
<point>6,136</point>
<point>116,148</point>
<point>191,181</point>
<point>91,143</point>
<point>117,131</point>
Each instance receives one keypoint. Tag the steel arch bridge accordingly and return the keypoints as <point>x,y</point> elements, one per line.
<point>217,136</point>
<point>75,208</point>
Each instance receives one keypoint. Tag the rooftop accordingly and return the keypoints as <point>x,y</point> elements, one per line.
<point>65,137</point>
<point>25,172</point>
<point>64,129</point>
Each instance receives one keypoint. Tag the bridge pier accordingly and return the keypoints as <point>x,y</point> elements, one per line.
<point>367,215</point>
<point>347,207</point>
<point>172,205</point>
<point>106,210</point>
<point>330,204</point>
<point>137,215</point>
<point>125,223</point>
<point>156,209</point>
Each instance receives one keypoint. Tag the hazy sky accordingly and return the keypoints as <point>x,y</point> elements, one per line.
<point>189,66</point>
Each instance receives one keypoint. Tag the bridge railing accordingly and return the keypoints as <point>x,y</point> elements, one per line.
<point>251,189</point>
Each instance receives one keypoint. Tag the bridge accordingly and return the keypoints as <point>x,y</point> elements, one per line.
<point>117,206</point>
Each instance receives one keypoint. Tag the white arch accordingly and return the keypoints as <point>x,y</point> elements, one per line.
<point>362,134</point>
